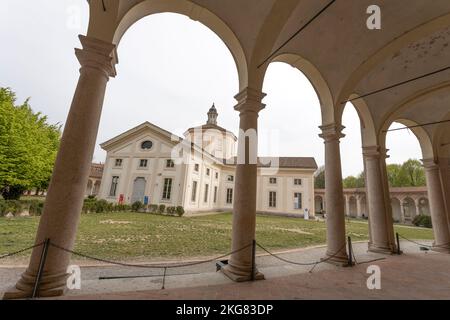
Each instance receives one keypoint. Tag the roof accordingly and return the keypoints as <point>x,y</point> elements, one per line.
<point>212,127</point>
<point>137,129</point>
<point>283,162</point>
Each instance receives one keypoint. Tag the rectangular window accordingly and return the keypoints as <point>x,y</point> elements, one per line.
<point>273,180</point>
<point>215,194</point>
<point>196,167</point>
<point>230,178</point>
<point>114,185</point>
<point>272,199</point>
<point>167,189</point>
<point>208,171</point>
<point>143,163</point>
<point>118,163</point>
<point>194,191</point>
<point>217,175</point>
<point>297,200</point>
<point>205,199</point>
<point>170,163</point>
<point>229,195</point>
<point>297,182</point>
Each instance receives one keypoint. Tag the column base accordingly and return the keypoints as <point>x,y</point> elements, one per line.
<point>390,250</point>
<point>237,275</point>
<point>441,248</point>
<point>340,260</point>
<point>52,285</point>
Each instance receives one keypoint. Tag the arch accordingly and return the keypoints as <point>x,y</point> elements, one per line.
<point>396,210</point>
<point>441,138</point>
<point>362,210</point>
<point>429,150</point>
<point>424,139</point>
<point>423,206</point>
<point>384,52</point>
<point>89,187</point>
<point>319,204</point>
<point>318,82</point>
<point>353,206</point>
<point>409,102</point>
<point>96,188</point>
<point>126,13</point>
<point>409,208</point>
<point>368,131</point>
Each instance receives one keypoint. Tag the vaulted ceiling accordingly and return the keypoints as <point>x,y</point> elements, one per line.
<point>336,51</point>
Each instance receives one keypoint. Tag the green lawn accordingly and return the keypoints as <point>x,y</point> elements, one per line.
<point>139,236</point>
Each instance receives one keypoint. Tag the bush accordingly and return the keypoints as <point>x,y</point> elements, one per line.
<point>138,205</point>
<point>179,211</point>
<point>162,208</point>
<point>171,210</point>
<point>153,208</point>
<point>36,207</point>
<point>16,207</point>
<point>422,221</point>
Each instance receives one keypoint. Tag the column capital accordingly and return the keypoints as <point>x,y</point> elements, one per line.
<point>97,54</point>
<point>332,132</point>
<point>250,100</point>
<point>430,164</point>
<point>375,152</point>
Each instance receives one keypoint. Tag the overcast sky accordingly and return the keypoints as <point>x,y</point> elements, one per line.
<point>171,69</point>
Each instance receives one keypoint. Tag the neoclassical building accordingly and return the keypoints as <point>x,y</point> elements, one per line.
<point>197,172</point>
<point>397,74</point>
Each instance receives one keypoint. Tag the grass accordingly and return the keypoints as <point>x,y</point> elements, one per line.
<point>144,236</point>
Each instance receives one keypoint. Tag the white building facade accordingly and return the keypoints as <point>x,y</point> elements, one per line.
<point>152,165</point>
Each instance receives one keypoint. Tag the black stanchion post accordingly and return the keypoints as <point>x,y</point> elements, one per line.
<point>399,252</point>
<point>350,252</point>
<point>41,268</point>
<point>253,260</point>
<point>164,279</point>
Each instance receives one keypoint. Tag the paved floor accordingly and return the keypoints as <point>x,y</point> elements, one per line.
<point>414,275</point>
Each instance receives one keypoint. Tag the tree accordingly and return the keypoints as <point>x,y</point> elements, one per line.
<point>408,174</point>
<point>319,178</point>
<point>393,174</point>
<point>413,173</point>
<point>28,146</point>
<point>352,182</point>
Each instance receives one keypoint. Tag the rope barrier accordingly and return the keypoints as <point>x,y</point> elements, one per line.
<point>302,263</point>
<point>20,251</point>
<point>425,245</point>
<point>169,266</point>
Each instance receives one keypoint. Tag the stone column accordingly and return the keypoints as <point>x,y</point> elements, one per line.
<point>347,205</point>
<point>380,217</point>
<point>437,207</point>
<point>402,211</point>
<point>239,267</point>
<point>334,198</point>
<point>416,208</point>
<point>64,200</point>
<point>358,206</point>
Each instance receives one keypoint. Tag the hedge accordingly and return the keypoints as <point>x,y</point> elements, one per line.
<point>422,221</point>
<point>17,207</point>
<point>90,205</point>
<point>157,209</point>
